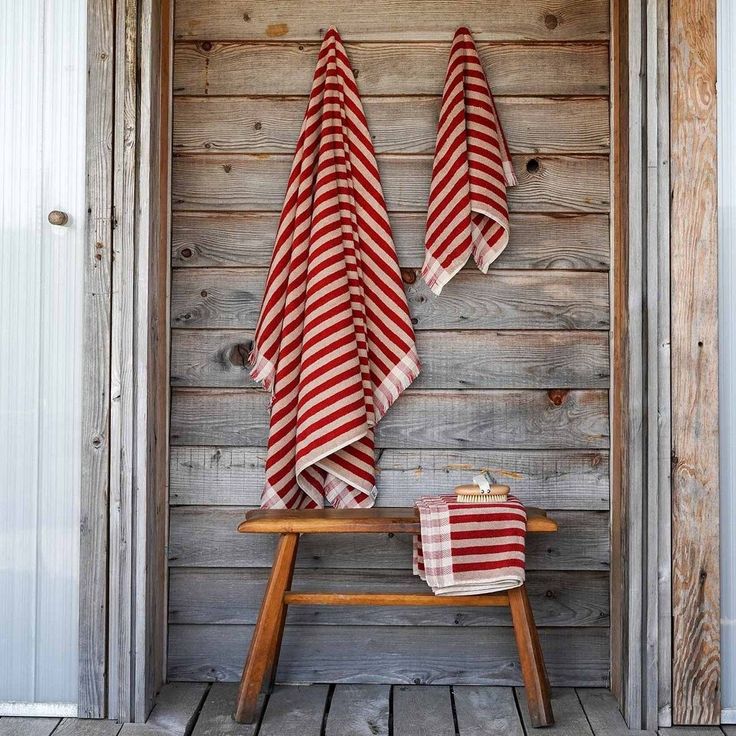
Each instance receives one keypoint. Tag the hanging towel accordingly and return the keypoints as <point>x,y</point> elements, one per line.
<point>467,209</point>
<point>470,548</point>
<point>334,342</point>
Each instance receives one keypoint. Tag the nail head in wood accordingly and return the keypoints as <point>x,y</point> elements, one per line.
<point>57,217</point>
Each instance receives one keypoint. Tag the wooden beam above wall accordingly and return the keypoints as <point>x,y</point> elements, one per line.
<point>694,242</point>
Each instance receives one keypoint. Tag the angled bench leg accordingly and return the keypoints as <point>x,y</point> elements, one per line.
<point>267,634</point>
<point>536,684</point>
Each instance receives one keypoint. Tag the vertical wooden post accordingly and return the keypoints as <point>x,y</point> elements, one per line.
<point>93,545</point>
<point>695,487</point>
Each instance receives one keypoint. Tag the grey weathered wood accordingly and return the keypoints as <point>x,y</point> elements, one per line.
<point>271,124</point>
<point>537,241</point>
<point>486,711</point>
<point>386,654</point>
<point>95,430</point>
<point>570,718</point>
<point>604,715</point>
<point>691,731</point>
<point>177,707</point>
<point>423,710</point>
<point>233,596</point>
<point>359,710</point>
<point>728,730</point>
<point>87,727</point>
<point>216,716</point>
<point>558,479</point>
<point>155,18</point>
<point>421,419</point>
<point>406,21</point>
<point>295,711</point>
<point>12,726</point>
<point>459,359</point>
<point>223,68</point>
<point>243,182</point>
<point>206,536</point>
<point>231,298</point>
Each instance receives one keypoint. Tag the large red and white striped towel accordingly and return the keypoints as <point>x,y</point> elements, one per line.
<point>334,341</point>
<point>470,548</point>
<point>468,209</point>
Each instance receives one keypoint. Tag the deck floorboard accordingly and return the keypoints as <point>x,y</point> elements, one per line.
<point>196,709</point>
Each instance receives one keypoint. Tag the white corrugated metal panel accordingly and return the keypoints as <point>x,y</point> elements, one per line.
<point>42,120</point>
<point>727,329</point>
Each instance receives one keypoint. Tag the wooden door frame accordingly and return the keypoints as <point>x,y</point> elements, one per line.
<point>125,411</point>
<point>664,408</point>
<point>640,400</point>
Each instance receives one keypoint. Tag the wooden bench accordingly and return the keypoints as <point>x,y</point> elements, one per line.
<point>260,666</point>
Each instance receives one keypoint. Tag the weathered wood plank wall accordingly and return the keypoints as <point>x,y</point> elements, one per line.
<point>516,363</point>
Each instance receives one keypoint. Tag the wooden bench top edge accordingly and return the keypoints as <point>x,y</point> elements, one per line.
<point>404,520</point>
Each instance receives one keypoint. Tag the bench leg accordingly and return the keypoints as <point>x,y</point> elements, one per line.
<point>267,634</point>
<point>536,684</point>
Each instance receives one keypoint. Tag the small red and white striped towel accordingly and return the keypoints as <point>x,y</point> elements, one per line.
<point>467,209</point>
<point>470,548</point>
<point>334,341</point>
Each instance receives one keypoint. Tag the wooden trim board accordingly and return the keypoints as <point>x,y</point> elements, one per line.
<point>96,337</point>
<point>694,284</point>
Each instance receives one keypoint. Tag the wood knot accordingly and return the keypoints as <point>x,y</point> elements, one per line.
<point>258,125</point>
<point>550,21</point>
<point>408,275</point>
<point>186,252</point>
<point>203,293</point>
<point>239,354</point>
<point>557,395</point>
<point>532,165</point>
<point>206,46</point>
<point>227,168</point>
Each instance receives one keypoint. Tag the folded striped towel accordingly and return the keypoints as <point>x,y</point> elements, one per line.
<point>470,548</point>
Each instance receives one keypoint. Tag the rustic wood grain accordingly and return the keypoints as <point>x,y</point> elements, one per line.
<point>18,726</point>
<point>82,727</point>
<point>570,718</point>
<point>422,419</point>
<point>603,714</point>
<point>271,124</point>
<point>541,20</point>
<point>580,544</point>
<point>284,68</point>
<point>423,710</point>
<point>694,260</point>
<point>486,711</point>
<point>95,429</point>
<point>538,241</point>
<point>359,710</point>
<point>559,479</point>
<point>417,655</point>
<point>174,714</point>
<point>450,360</point>
<point>294,711</point>
<point>572,300</point>
<point>233,596</point>
<point>243,182</point>
<point>216,716</point>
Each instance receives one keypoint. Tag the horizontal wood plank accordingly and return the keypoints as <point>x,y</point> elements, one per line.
<point>205,536</point>
<point>286,68</point>
<point>243,182</point>
<point>431,655</point>
<point>558,20</point>
<point>295,711</point>
<point>397,125</point>
<point>499,419</point>
<point>538,241</point>
<point>233,596</point>
<point>560,479</point>
<point>450,360</point>
<point>557,300</point>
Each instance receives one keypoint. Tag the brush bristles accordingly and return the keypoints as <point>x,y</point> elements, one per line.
<point>483,498</point>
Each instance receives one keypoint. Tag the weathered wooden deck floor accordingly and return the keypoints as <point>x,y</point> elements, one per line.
<point>199,709</point>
